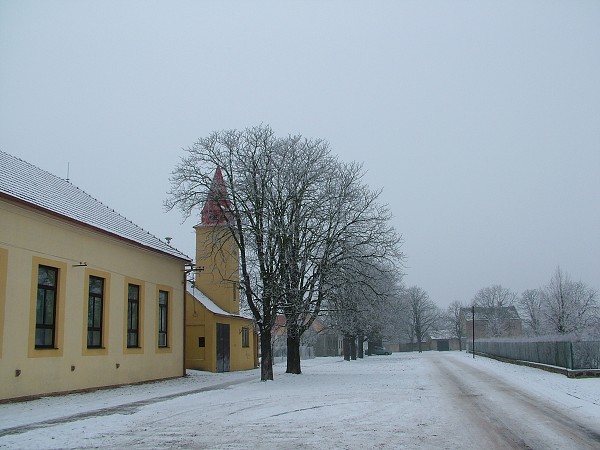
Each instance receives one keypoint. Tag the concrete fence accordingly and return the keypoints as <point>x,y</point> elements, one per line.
<point>574,355</point>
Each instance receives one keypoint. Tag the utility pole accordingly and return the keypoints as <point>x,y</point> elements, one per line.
<point>473,348</point>
<point>187,269</point>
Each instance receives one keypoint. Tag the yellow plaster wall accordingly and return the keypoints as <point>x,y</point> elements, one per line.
<point>217,253</point>
<point>28,238</point>
<point>3,273</point>
<point>201,322</point>
<point>241,358</point>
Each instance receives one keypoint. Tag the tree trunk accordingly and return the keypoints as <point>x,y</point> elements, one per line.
<point>293,353</point>
<point>361,353</point>
<point>353,348</point>
<point>266,356</point>
<point>346,346</point>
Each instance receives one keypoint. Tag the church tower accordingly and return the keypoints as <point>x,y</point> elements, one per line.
<point>216,250</point>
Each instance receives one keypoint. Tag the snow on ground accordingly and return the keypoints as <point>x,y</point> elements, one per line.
<point>392,401</point>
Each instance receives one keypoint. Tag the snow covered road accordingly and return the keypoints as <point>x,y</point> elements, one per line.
<point>429,400</point>
<point>506,415</point>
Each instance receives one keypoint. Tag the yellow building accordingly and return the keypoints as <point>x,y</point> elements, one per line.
<point>218,338</point>
<point>87,298</point>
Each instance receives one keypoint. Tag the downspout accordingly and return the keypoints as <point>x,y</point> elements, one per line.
<point>184,317</point>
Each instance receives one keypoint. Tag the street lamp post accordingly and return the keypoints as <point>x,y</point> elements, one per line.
<point>473,348</point>
<point>187,269</point>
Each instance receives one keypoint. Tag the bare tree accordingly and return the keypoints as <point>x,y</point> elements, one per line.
<point>332,223</point>
<point>424,314</point>
<point>248,163</point>
<point>530,306</point>
<point>568,306</point>
<point>495,300</point>
<point>454,320</point>
<point>297,215</point>
<point>494,296</point>
<point>362,301</point>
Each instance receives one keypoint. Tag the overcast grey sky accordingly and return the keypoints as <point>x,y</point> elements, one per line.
<point>479,119</point>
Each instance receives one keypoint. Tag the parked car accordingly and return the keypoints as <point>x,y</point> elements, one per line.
<point>380,351</point>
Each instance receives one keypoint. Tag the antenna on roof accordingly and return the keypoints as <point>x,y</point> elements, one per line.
<point>68,167</point>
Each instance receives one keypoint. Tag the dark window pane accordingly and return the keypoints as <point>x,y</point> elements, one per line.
<point>163,297</point>
<point>98,313</point>
<point>43,337</point>
<point>132,340</point>
<point>45,308</point>
<point>95,310</point>
<point>94,338</point>
<point>134,317</point>
<point>163,308</point>
<point>96,285</point>
<point>47,276</point>
<point>39,310</point>
<point>133,292</point>
<point>49,316</point>
<point>245,337</point>
<point>162,340</point>
<point>91,313</point>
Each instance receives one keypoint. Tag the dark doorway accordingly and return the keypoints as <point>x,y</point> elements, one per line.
<point>222,347</point>
<point>443,345</point>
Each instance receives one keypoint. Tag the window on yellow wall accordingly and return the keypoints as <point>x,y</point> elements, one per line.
<point>133,315</point>
<point>163,309</point>
<point>245,337</point>
<point>45,316</point>
<point>95,312</point>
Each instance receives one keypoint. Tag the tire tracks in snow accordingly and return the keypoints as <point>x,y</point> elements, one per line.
<point>127,408</point>
<point>508,416</point>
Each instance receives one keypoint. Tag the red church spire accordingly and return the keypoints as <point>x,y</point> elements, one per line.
<point>216,210</point>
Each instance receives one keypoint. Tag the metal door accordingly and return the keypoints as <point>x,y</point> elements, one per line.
<point>222,347</point>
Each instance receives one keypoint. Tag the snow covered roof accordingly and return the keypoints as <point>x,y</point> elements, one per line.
<point>26,183</point>
<point>208,303</point>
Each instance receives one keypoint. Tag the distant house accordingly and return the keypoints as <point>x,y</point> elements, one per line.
<point>318,340</point>
<point>435,340</point>
<point>87,298</point>
<point>442,341</point>
<point>327,342</point>
<point>218,338</point>
<point>491,322</point>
